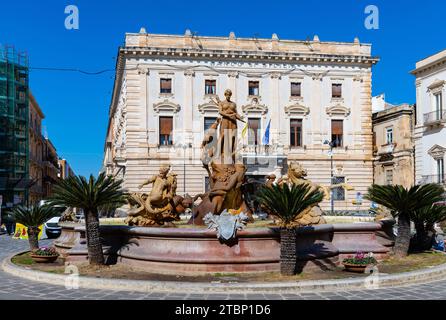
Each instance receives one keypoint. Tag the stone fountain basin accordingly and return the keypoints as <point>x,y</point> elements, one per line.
<point>187,251</point>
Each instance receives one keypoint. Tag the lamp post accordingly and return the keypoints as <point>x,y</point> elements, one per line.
<point>185,146</point>
<point>331,144</point>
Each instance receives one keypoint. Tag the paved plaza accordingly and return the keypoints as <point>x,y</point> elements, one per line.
<point>20,289</point>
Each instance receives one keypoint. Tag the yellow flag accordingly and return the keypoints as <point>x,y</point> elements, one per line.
<point>245,129</point>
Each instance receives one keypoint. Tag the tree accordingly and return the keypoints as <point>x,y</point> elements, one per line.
<point>287,203</point>
<point>90,195</point>
<point>33,217</point>
<point>402,202</point>
<point>424,220</point>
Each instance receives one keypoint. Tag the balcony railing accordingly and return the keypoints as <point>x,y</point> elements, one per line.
<point>434,117</point>
<point>433,179</point>
<point>262,149</point>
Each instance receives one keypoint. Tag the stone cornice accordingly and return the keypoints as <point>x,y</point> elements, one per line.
<point>208,107</point>
<point>254,107</point>
<point>192,53</point>
<point>392,113</point>
<point>297,110</point>
<point>338,109</point>
<point>166,105</point>
<point>437,152</point>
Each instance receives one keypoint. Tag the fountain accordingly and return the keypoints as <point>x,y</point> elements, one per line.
<point>152,241</point>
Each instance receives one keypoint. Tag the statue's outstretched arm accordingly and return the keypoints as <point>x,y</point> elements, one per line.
<point>146,182</point>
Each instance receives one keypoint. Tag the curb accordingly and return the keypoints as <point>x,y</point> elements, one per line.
<point>368,283</point>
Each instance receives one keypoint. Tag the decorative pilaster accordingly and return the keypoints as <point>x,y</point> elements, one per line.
<point>188,112</point>
<point>276,114</point>
<point>232,83</point>
<point>143,72</point>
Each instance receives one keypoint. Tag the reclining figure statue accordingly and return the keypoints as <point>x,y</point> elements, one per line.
<point>161,205</point>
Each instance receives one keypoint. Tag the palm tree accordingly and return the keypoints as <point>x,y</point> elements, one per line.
<point>287,204</point>
<point>33,217</point>
<point>90,195</point>
<point>402,202</point>
<point>424,220</point>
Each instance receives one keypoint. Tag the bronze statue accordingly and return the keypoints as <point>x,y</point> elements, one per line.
<point>228,127</point>
<point>297,175</point>
<point>161,205</point>
<point>226,177</point>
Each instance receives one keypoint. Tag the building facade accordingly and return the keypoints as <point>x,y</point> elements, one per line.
<point>50,167</point>
<point>14,122</point>
<point>36,144</point>
<point>393,145</point>
<point>65,170</point>
<point>430,130</point>
<point>306,92</point>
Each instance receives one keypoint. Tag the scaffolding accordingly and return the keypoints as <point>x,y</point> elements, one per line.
<point>14,124</point>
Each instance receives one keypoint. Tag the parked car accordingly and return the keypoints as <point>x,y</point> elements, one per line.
<point>52,228</point>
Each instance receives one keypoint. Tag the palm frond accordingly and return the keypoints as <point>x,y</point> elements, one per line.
<point>287,203</point>
<point>400,200</point>
<point>34,216</point>
<point>429,215</point>
<point>89,194</point>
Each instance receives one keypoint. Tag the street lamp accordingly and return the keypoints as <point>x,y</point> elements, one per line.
<point>185,146</point>
<point>331,144</point>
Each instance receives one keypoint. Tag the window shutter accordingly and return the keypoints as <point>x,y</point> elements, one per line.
<point>337,90</point>
<point>166,84</point>
<point>166,125</point>
<point>254,124</point>
<point>296,89</point>
<point>337,126</point>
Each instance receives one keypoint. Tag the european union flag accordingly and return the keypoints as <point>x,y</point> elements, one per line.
<point>265,140</point>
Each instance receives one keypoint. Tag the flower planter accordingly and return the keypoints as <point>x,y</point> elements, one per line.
<point>44,259</point>
<point>360,268</point>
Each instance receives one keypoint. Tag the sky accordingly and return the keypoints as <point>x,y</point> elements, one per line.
<point>76,105</point>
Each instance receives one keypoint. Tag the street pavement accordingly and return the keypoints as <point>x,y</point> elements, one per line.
<point>14,288</point>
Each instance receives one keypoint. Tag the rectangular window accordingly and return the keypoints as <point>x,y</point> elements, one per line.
<point>337,133</point>
<point>389,177</point>
<point>254,131</point>
<point>295,89</point>
<point>339,191</point>
<point>208,121</point>
<point>165,85</point>
<point>336,90</point>
<point>296,132</point>
<point>253,88</point>
<point>389,135</point>
<point>440,170</point>
<point>165,129</point>
<point>439,105</point>
<point>210,87</point>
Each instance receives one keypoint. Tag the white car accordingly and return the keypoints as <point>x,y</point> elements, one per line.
<point>52,228</point>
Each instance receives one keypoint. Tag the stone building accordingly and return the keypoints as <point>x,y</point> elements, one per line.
<point>308,92</point>
<point>36,143</point>
<point>65,170</point>
<point>393,145</point>
<point>430,130</point>
<point>50,167</point>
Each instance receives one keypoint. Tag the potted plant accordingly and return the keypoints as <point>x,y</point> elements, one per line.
<point>359,262</point>
<point>44,255</point>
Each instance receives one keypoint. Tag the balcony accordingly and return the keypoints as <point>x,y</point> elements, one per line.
<point>436,178</point>
<point>263,150</point>
<point>434,117</point>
